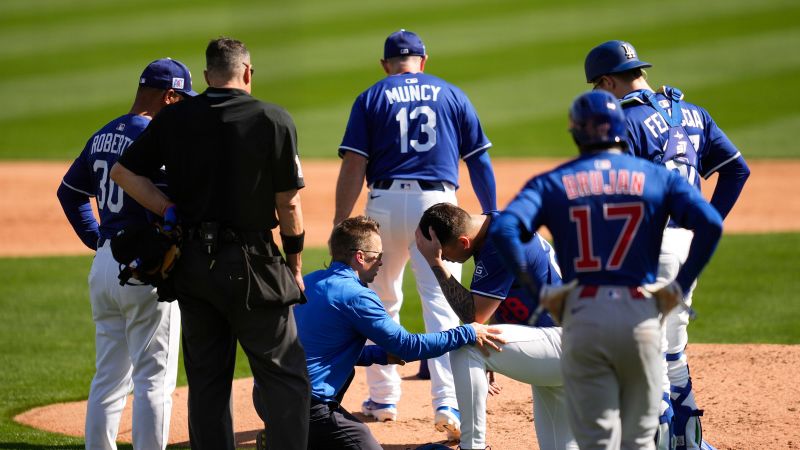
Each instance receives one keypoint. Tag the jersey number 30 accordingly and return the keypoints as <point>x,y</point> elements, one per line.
<point>428,127</point>
<point>110,194</point>
<point>587,260</point>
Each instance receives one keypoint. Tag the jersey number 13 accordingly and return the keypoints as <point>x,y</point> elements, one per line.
<point>428,127</point>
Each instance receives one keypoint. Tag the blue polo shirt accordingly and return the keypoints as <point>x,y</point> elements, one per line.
<point>341,314</point>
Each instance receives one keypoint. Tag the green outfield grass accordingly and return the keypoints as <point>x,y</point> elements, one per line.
<point>67,67</point>
<point>47,334</point>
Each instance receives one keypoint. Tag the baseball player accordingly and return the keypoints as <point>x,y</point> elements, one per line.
<point>607,211</point>
<point>531,355</point>
<point>136,337</point>
<point>691,144</point>
<point>406,134</point>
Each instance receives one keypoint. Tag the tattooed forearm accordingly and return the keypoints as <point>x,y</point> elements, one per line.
<point>459,298</point>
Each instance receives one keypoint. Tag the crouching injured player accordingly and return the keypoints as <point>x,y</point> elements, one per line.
<point>531,354</point>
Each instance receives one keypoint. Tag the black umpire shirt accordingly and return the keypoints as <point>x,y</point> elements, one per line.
<point>226,154</point>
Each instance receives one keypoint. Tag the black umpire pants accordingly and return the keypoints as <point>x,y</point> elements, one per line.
<point>332,427</point>
<point>214,315</point>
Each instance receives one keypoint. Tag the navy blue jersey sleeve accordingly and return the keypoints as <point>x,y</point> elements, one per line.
<point>356,135</point>
<point>79,175</point>
<point>505,233</point>
<point>491,278</point>
<point>516,225</point>
<point>473,139</point>
<point>526,206</point>
<point>718,151</point>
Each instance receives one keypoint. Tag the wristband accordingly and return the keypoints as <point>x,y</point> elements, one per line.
<point>293,244</point>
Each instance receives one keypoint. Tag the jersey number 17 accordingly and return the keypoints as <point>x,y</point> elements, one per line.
<point>587,260</point>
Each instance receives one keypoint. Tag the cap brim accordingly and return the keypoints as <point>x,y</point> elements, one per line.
<point>630,65</point>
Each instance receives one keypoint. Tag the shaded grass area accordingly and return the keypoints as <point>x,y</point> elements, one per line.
<point>748,294</point>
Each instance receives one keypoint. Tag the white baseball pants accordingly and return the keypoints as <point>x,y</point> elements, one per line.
<point>136,339</point>
<point>674,251</point>
<point>532,356</point>
<point>398,210</point>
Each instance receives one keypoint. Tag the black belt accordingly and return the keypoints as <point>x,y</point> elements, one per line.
<point>225,235</point>
<point>425,185</point>
<point>333,404</point>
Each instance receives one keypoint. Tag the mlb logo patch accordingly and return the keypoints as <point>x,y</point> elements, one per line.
<point>177,83</point>
<point>121,127</point>
<point>403,51</point>
<point>602,164</point>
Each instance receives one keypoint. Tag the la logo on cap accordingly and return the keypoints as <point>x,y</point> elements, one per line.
<point>177,83</point>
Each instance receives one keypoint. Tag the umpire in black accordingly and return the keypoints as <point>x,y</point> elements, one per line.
<point>231,163</point>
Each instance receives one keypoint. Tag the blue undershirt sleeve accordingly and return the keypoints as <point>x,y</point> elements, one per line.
<point>481,174</point>
<point>730,183</point>
<point>78,209</point>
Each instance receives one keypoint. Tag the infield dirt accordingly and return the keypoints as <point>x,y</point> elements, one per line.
<point>749,392</point>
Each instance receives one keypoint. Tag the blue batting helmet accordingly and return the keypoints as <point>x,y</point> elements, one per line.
<point>596,121</point>
<point>611,57</point>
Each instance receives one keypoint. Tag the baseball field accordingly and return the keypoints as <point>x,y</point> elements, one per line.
<point>67,67</point>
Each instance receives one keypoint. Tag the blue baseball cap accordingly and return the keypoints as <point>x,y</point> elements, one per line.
<point>611,57</point>
<point>167,73</point>
<point>403,43</point>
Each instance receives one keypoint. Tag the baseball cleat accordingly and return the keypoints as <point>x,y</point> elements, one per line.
<point>448,419</point>
<point>382,412</point>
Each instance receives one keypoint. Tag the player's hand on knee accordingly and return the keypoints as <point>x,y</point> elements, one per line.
<point>487,337</point>
<point>667,296</point>
<point>552,298</point>
<point>494,388</point>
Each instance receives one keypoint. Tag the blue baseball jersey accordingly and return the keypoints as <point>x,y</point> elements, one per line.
<point>492,279</point>
<point>339,317</point>
<point>698,146</point>
<point>89,174</point>
<point>413,126</point>
<point>607,212</point>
